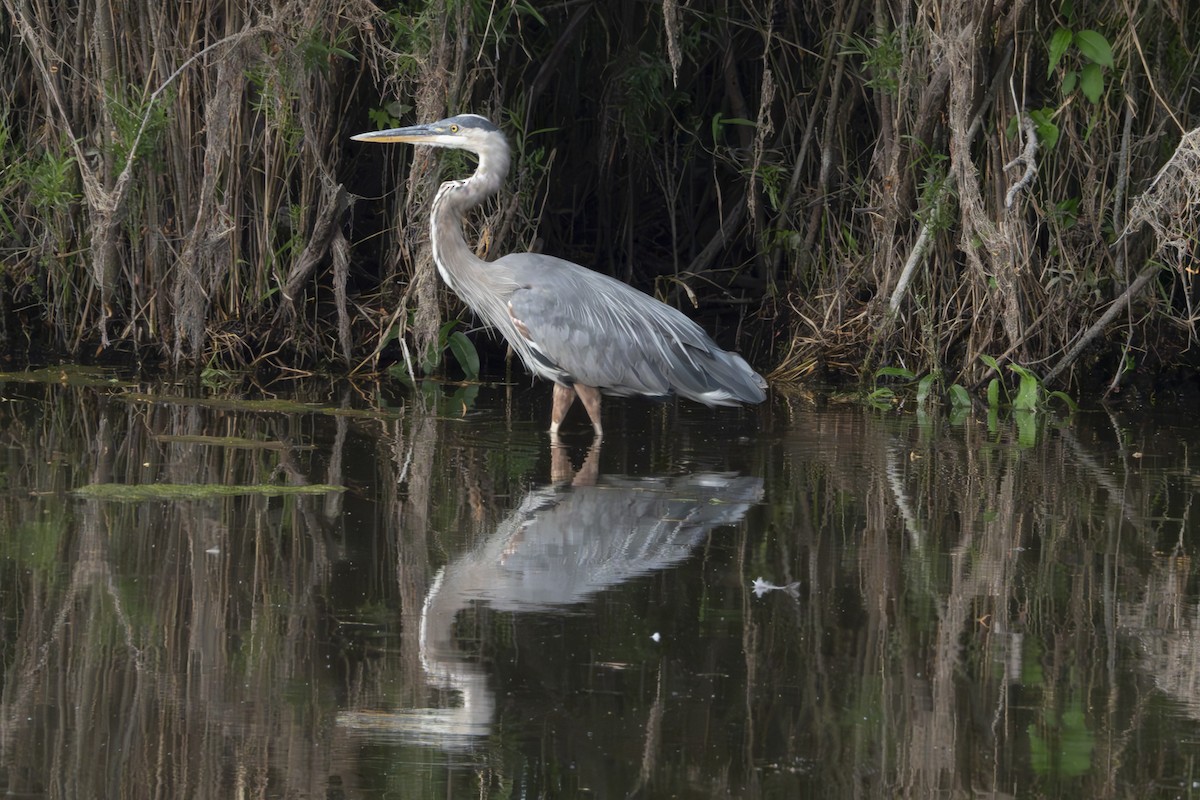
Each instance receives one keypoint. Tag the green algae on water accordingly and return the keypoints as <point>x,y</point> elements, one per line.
<point>142,492</point>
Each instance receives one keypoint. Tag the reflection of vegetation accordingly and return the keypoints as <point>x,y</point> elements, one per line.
<point>973,614</point>
<point>1063,748</point>
<point>35,544</point>
<point>968,570</point>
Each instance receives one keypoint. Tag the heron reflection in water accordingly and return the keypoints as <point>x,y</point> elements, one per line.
<point>563,544</point>
<point>585,331</point>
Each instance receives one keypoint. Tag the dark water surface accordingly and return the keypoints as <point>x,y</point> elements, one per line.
<point>970,609</point>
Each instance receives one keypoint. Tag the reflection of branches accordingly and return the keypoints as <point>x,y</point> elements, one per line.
<point>653,738</point>
<point>1101,475</point>
<point>141,632</point>
<point>981,562</point>
<point>91,568</point>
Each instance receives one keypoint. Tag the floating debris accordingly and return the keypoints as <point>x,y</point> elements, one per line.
<point>761,587</point>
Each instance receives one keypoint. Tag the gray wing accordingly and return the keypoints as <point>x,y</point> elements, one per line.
<point>584,327</point>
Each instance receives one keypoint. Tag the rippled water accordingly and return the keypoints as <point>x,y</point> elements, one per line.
<point>1002,607</point>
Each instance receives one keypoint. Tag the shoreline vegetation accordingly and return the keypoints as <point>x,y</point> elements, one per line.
<point>956,192</point>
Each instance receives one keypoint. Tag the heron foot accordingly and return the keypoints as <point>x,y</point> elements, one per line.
<point>564,398</point>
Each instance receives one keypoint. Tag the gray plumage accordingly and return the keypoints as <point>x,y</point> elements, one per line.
<point>578,328</point>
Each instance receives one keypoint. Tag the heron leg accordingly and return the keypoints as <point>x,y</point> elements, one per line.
<point>564,396</point>
<point>590,396</point>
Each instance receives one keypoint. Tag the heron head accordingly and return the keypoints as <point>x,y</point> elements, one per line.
<point>464,132</point>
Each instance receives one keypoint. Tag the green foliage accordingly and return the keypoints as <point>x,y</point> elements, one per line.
<point>318,53</point>
<point>959,397</point>
<point>895,385</point>
<point>720,123</point>
<point>1043,121</point>
<point>389,116</point>
<point>925,389</point>
<point>646,93</point>
<point>275,99</point>
<point>131,118</point>
<point>215,378</point>
<point>1030,396</point>
<point>1062,747</point>
<point>52,181</point>
<point>464,352</point>
<point>459,345</point>
<point>1092,54</point>
<point>936,207</point>
<point>881,58</point>
<point>288,241</point>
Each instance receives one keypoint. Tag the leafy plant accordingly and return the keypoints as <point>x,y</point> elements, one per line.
<point>882,59</point>
<point>52,182</point>
<point>922,388</point>
<point>147,117</point>
<point>1031,395</point>
<point>319,54</point>
<point>720,124</point>
<point>457,343</point>
<point>1043,122</point>
<point>1092,54</point>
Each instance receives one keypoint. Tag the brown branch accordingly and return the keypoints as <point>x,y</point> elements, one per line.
<point>1122,302</point>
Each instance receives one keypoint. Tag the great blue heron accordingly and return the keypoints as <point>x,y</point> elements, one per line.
<point>585,331</point>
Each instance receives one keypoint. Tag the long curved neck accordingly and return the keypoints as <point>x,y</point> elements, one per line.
<point>460,268</point>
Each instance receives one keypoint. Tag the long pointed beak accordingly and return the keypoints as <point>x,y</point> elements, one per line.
<point>414,134</point>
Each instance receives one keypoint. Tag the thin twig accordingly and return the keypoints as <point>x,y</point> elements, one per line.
<point>1028,157</point>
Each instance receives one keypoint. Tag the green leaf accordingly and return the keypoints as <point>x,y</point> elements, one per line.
<point>894,372</point>
<point>991,362</point>
<point>881,398</point>
<point>993,393</point>
<point>923,387</point>
<point>465,354</point>
<point>1047,130</point>
<point>1020,371</point>
<point>1091,82</point>
<point>959,397</point>
<point>1059,43</point>
<point>1095,47</point>
<point>1049,135</point>
<point>1065,398</point>
<point>444,332</point>
<point>1070,78</point>
<point>392,333</point>
<point>531,10</point>
<point>718,120</point>
<point>1027,392</point>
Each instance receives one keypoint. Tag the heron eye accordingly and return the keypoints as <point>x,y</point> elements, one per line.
<point>454,129</point>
